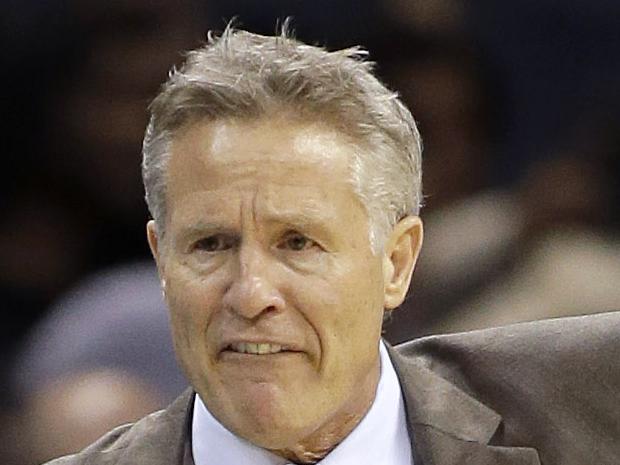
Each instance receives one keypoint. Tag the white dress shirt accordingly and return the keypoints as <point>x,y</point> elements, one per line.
<point>381,438</point>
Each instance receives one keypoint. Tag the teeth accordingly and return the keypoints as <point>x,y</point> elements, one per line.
<point>256,349</point>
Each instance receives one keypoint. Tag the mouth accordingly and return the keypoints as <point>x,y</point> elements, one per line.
<point>260,348</point>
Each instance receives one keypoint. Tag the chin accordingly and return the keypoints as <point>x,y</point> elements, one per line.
<point>271,422</point>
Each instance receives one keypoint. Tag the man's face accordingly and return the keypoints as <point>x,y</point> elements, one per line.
<point>276,299</point>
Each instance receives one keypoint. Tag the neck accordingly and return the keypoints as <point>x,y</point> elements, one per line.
<point>321,442</point>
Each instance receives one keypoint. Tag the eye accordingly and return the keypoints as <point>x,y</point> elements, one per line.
<point>296,242</point>
<point>215,243</point>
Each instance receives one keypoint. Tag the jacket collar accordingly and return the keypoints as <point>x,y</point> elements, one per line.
<point>447,426</point>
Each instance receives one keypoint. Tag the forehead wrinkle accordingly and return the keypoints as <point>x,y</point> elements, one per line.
<point>305,212</point>
<point>254,202</point>
<point>247,213</point>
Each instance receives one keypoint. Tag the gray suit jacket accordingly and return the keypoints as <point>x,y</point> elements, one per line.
<point>535,393</point>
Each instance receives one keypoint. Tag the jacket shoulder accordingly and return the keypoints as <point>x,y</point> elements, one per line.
<point>591,341</point>
<point>555,383</point>
<point>111,442</point>
<point>157,438</point>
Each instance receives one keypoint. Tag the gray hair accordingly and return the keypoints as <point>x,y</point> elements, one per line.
<point>245,75</point>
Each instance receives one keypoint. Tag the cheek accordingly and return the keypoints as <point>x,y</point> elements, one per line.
<point>358,292</point>
<point>192,302</point>
<point>343,305</point>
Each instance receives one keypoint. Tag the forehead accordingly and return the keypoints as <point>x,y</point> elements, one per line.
<point>292,163</point>
<point>246,143</point>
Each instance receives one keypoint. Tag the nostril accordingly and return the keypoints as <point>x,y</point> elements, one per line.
<point>271,309</point>
<point>253,296</point>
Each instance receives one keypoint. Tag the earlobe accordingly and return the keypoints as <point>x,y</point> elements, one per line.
<point>401,254</point>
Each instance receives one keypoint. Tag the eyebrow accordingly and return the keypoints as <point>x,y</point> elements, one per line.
<point>318,227</point>
<point>200,227</point>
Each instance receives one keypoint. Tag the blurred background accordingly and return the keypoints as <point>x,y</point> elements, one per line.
<point>518,104</point>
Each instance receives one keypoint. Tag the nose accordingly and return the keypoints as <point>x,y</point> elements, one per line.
<point>252,292</point>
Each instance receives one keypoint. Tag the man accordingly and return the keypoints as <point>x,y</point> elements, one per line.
<point>284,184</point>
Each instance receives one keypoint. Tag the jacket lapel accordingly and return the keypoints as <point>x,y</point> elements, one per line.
<point>446,425</point>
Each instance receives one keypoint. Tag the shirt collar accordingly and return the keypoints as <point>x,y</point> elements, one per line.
<point>381,436</point>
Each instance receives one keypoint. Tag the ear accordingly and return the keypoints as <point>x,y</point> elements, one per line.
<point>400,256</point>
<point>155,245</point>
